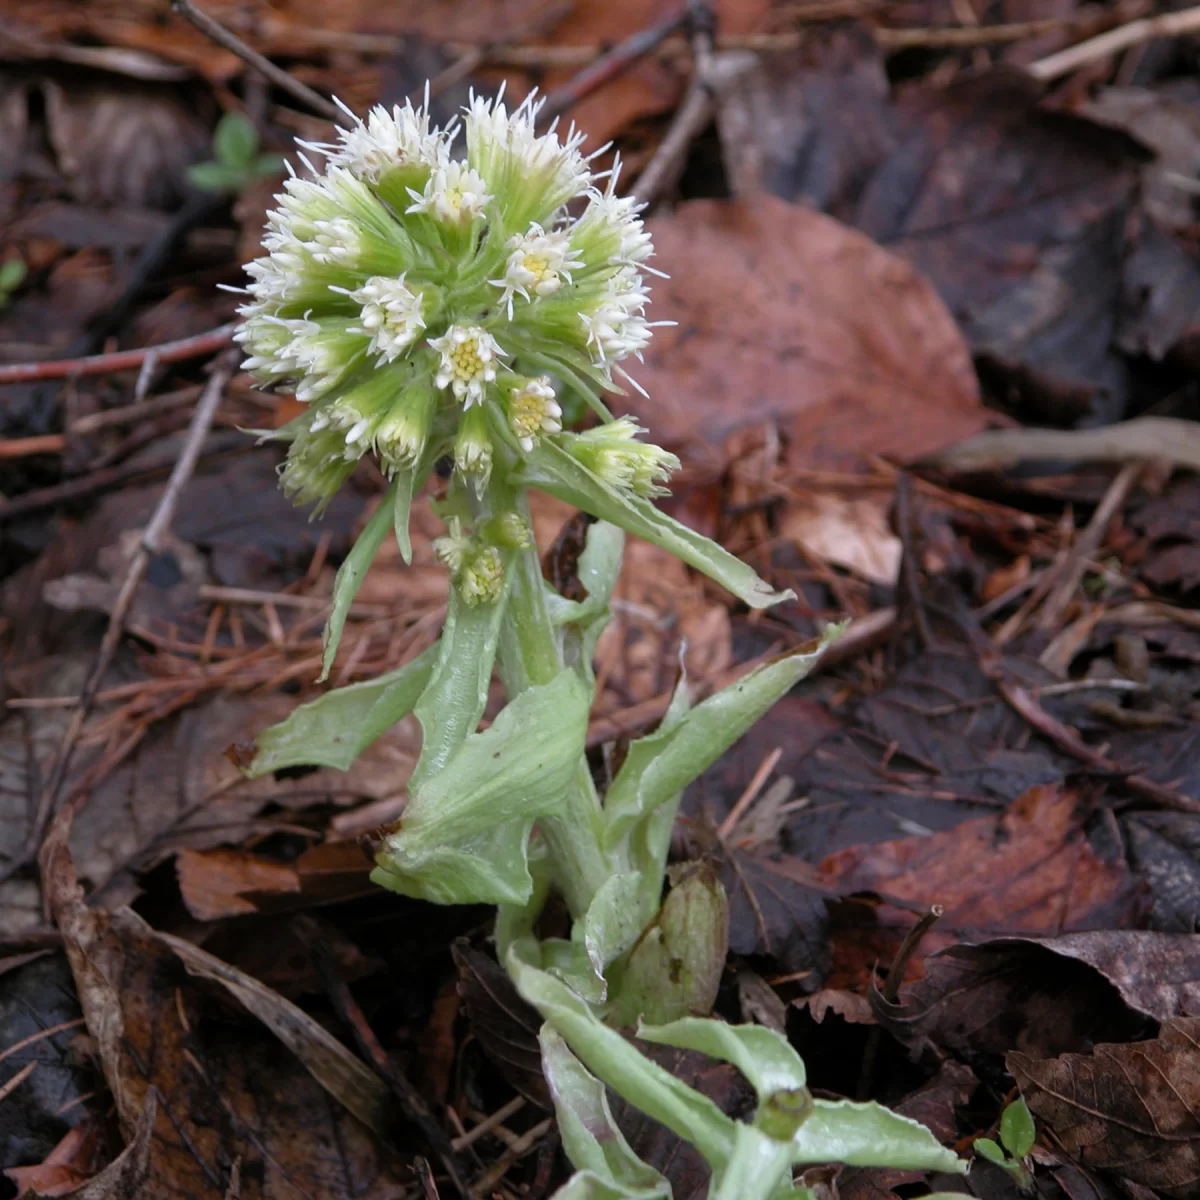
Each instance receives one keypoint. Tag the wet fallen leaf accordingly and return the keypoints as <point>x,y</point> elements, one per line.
<point>833,337</point>
<point>934,1106</point>
<point>230,1100</point>
<point>35,998</point>
<point>506,1026</point>
<point>1015,214</point>
<point>1007,994</point>
<point>777,911</point>
<point>1029,869</point>
<point>1129,1110</point>
<point>126,144</point>
<point>229,883</point>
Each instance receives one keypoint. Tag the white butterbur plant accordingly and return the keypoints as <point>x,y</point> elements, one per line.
<point>428,309</point>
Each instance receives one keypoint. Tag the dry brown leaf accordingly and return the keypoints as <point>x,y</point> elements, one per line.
<point>1031,869</point>
<point>1132,1110</point>
<point>224,1096</point>
<point>124,145</point>
<point>848,531</point>
<point>786,315</point>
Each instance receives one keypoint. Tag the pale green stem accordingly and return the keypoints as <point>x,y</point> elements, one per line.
<point>529,654</point>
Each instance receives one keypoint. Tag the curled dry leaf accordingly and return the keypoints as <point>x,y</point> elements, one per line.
<point>836,339</point>
<point>1132,1110</point>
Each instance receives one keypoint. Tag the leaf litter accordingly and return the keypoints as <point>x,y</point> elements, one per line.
<point>916,292</point>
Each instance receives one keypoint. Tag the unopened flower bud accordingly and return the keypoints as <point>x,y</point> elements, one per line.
<point>481,579</point>
<point>509,530</point>
<point>613,453</point>
<point>473,448</point>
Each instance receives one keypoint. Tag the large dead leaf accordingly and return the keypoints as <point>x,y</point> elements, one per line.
<point>1030,869</point>
<point>232,1101</point>
<point>1005,995</point>
<point>784,314</point>
<point>1132,1110</point>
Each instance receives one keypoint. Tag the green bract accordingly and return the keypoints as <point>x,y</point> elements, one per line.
<point>427,309</point>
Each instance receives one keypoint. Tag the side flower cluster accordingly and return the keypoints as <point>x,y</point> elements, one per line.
<point>427,306</point>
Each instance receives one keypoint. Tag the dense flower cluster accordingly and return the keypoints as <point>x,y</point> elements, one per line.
<point>425,306</point>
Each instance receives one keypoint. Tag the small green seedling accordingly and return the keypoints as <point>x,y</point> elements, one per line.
<point>1017,1136</point>
<point>12,275</point>
<point>236,163</point>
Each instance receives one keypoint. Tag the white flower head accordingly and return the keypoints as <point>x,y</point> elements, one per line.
<point>391,315</point>
<point>385,141</point>
<point>532,411</point>
<point>610,231</point>
<point>538,262</point>
<point>469,358</point>
<point>534,175</point>
<point>616,327</point>
<point>454,195</point>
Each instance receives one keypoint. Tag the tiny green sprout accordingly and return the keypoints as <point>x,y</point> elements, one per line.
<point>236,163</point>
<point>1017,1135</point>
<point>12,275</point>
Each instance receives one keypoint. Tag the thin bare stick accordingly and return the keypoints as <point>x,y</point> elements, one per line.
<point>47,443</point>
<point>264,66</point>
<point>952,38</point>
<point>120,360</point>
<point>128,413</point>
<point>698,107</point>
<point>148,546</point>
<point>1175,24</point>
<point>1070,572</point>
<point>489,1123</point>
<point>750,794</point>
<point>611,64</point>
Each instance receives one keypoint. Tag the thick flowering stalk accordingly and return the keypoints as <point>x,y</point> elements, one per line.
<point>428,308</point>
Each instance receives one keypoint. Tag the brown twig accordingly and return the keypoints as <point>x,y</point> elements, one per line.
<point>1022,702</point>
<point>711,73</point>
<point>148,546</point>
<point>1175,24</point>
<point>1070,569</point>
<point>385,1066</point>
<point>609,65</point>
<point>100,481</point>
<point>128,413</point>
<point>955,38</point>
<point>521,1147</point>
<point>47,443</point>
<point>469,58</point>
<point>120,360</point>
<point>217,32</point>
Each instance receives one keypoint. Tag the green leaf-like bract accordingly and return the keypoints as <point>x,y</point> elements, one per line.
<point>465,831</point>
<point>452,704</point>
<point>590,1136</point>
<point>658,767</point>
<point>553,470</point>
<point>351,574</point>
<point>335,729</point>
